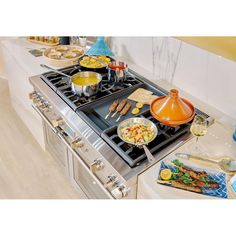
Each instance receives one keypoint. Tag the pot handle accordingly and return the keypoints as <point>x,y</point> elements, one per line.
<point>149,155</point>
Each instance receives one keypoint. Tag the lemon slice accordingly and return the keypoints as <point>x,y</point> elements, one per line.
<point>135,111</point>
<point>166,174</point>
<point>139,105</point>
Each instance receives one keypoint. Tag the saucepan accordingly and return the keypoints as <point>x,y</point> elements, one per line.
<point>84,83</point>
<point>141,121</point>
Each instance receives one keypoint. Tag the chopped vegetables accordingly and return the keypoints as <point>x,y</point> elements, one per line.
<point>137,133</point>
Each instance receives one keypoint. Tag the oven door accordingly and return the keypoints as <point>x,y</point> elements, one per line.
<point>82,177</point>
<point>54,145</point>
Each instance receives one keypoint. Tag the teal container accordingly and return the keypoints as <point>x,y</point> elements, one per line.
<point>100,47</point>
<point>234,135</point>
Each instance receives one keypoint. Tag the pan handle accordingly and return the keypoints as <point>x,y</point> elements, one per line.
<point>149,155</point>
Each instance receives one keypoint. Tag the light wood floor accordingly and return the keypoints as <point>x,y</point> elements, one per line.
<point>26,171</point>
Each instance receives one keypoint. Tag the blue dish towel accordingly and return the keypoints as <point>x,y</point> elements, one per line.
<point>100,47</point>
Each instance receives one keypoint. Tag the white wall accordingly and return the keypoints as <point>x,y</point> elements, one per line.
<point>204,75</point>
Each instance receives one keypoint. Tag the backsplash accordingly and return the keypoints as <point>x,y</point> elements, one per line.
<point>205,75</point>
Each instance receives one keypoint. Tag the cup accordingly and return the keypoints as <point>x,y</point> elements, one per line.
<point>117,71</point>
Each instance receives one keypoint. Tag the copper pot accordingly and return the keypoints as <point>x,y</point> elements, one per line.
<point>172,110</point>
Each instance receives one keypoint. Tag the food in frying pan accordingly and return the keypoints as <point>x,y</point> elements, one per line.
<point>187,178</point>
<point>90,62</point>
<point>137,133</point>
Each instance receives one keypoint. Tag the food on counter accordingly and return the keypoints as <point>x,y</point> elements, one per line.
<point>137,133</point>
<point>55,55</point>
<point>70,55</point>
<point>90,62</point>
<point>124,110</point>
<point>48,40</point>
<point>112,108</point>
<point>135,111</point>
<point>63,55</point>
<point>62,48</point>
<point>187,178</point>
<point>179,184</point>
<point>139,105</point>
<point>143,96</point>
<point>120,107</point>
<point>166,174</point>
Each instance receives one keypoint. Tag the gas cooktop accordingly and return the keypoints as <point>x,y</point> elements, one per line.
<point>60,84</point>
<point>94,109</point>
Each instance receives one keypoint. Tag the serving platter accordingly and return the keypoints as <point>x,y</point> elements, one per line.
<point>212,174</point>
<point>63,55</point>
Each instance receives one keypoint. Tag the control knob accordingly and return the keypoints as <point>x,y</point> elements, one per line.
<point>33,95</point>
<point>57,122</point>
<point>97,165</point>
<point>120,191</point>
<point>77,143</point>
<point>112,180</point>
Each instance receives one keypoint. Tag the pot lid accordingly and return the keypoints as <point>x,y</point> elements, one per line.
<point>172,108</point>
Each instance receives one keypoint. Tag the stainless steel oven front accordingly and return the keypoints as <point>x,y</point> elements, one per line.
<point>81,175</point>
<point>59,140</point>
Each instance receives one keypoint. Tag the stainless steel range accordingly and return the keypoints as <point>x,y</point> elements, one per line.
<point>87,145</point>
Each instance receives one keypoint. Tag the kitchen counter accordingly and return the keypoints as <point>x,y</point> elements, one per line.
<point>20,65</point>
<point>217,142</point>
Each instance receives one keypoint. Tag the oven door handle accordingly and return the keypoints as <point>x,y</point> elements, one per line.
<point>44,118</point>
<point>98,181</point>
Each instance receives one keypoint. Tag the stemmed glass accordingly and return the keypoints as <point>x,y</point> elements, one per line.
<point>198,129</point>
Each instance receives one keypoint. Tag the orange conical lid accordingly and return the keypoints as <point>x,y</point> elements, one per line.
<point>172,109</point>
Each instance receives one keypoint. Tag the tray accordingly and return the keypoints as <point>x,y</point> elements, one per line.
<point>219,177</point>
<point>42,43</point>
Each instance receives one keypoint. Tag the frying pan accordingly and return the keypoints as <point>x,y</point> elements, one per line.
<point>142,121</point>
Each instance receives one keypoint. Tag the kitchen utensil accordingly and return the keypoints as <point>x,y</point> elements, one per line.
<point>143,121</point>
<point>227,164</point>
<point>117,71</point>
<point>172,110</point>
<point>83,90</point>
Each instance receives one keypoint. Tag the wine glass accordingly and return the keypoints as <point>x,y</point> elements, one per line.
<point>198,129</point>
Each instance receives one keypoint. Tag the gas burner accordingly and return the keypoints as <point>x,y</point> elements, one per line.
<point>134,155</point>
<point>62,86</point>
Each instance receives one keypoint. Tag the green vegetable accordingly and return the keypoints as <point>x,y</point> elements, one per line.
<point>177,162</point>
<point>187,181</point>
<point>205,180</point>
<point>175,176</point>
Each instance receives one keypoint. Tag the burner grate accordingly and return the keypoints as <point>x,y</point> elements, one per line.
<point>62,86</point>
<point>134,155</point>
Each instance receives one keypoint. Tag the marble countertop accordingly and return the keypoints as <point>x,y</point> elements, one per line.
<point>218,142</point>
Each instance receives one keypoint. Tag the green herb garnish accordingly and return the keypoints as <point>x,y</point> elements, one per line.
<point>177,163</point>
